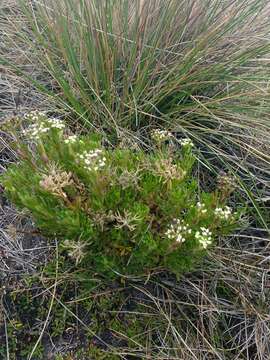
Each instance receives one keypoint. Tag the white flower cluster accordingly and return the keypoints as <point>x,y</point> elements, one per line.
<point>93,159</point>
<point>71,139</point>
<point>161,135</point>
<point>35,115</point>
<point>223,214</point>
<point>204,236</point>
<point>186,142</point>
<point>55,123</point>
<point>35,131</point>
<point>42,124</point>
<point>201,208</point>
<point>178,230</point>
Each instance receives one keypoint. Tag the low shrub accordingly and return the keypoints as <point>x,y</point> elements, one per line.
<point>117,210</point>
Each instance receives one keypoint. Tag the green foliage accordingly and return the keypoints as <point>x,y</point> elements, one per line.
<point>20,331</point>
<point>117,211</point>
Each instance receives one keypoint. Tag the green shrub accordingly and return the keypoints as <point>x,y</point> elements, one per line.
<point>117,210</point>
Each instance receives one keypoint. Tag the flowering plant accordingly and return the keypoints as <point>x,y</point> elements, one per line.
<point>116,210</point>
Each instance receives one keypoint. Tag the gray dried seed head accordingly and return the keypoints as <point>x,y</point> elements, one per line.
<point>226,182</point>
<point>56,181</point>
<point>169,171</point>
<point>128,178</point>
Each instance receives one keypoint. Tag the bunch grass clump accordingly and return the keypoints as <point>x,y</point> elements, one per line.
<point>125,65</point>
<point>117,210</point>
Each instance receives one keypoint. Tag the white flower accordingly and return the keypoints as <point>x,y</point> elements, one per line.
<point>180,239</point>
<point>35,130</point>
<point>41,124</point>
<point>201,208</point>
<point>178,231</point>
<point>35,115</point>
<point>71,139</point>
<point>56,123</point>
<point>223,214</point>
<point>186,142</point>
<point>204,236</point>
<point>93,159</point>
<point>161,135</point>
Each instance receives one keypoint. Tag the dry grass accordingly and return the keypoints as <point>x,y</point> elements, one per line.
<point>16,95</point>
